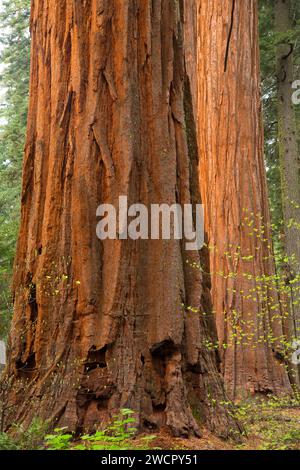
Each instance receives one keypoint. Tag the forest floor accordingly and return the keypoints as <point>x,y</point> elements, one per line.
<point>268,426</point>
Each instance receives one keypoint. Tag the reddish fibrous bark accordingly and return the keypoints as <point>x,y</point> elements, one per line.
<point>233,186</point>
<point>98,325</point>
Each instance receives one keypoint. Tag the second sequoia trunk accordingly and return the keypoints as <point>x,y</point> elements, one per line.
<point>235,197</point>
<point>100,325</point>
<point>289,167</point>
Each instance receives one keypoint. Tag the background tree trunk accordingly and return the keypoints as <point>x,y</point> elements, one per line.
<point>235,197</point>
<point>100,325</point>
<point>289,165</point>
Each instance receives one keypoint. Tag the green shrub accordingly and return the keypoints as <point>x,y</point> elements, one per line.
<point>117,436</point>
<point>7,442</point>
<point>21,439</point>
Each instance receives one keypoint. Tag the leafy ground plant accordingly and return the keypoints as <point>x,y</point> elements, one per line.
<point>21,439</point>
<point>118,436</point>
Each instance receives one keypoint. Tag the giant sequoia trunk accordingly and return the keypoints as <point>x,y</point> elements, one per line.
<point>100,325</point>
<point>235,198</point>
<point>289,165</point>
